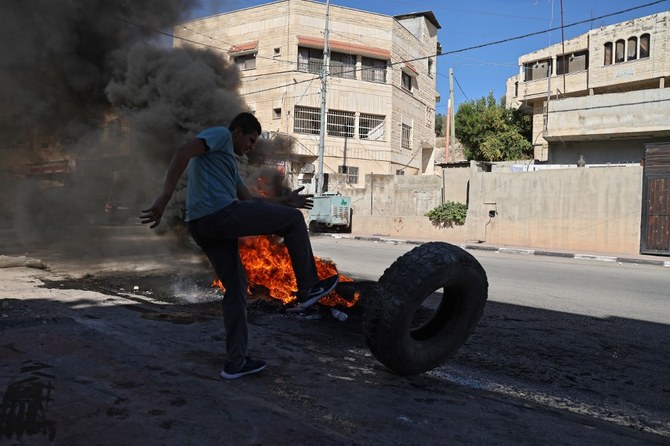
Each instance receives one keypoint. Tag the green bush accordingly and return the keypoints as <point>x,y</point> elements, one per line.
<point>448,214</point>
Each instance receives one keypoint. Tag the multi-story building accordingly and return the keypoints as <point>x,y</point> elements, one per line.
<point>380,91</point>
<point>601,96</point>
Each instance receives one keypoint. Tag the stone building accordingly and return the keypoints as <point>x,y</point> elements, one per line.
<point>601,96</point>
<point>381,87</point>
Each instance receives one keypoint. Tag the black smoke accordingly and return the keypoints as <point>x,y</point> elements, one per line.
<point>94,80</point>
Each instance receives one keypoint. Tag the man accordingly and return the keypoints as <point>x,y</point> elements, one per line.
<point>220,209</point>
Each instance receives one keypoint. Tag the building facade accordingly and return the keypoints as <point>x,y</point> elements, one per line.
<point>601,96</point>
<point>380,91</point>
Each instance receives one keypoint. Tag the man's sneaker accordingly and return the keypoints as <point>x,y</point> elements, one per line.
<point>250,366</point>
<point>318,291</point>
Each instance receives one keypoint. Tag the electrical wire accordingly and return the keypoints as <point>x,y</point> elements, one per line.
<point>456,51</point>
<point>459,87</point>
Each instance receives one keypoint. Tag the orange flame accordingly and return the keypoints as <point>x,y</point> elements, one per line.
<point>267,263</point>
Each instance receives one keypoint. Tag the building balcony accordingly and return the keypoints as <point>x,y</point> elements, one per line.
<point>539,88</point>
<point>638,113</point>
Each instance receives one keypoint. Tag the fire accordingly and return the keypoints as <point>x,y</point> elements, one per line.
<point>268,264</point>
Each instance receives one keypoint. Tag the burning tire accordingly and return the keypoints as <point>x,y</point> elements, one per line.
<point>407,325</point>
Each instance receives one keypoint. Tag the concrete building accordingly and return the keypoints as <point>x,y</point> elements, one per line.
<point>601,96</point>
<point>381,88</point>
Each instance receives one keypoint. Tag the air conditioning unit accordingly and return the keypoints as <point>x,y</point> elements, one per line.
<point>308,168</point>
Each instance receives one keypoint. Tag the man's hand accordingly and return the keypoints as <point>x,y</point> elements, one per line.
<point>294,199</point>
<point>155,212</point>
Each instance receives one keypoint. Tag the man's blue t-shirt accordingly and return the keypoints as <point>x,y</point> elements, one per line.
<point>212,177</point>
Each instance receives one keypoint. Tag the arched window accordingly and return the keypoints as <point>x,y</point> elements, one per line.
<point>620,52</point>
<point>644,45</point>
<point>632,48</point>
<point>608,53</point>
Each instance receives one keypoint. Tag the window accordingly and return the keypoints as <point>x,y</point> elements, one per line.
<point>632,49</point>
<point>620,51</point>
<point>608,53</point>
<point>540,69</point>
<point>342,65</point>
<point>373,70</point>
<point>371,127</point>
<point>399,172</point>
<point>570,63</point>
<point>406,142</point>
<point>307,120</point>
<point>310,60</point>
<point>644,46</point>
<point>276,113</point>
<point>562,65</point>
<point>406,81</point>
<point>340,123</point>
<point>350,172</point>
<point>276,52</point>
<point>246,62</point>
<point>430,67</point>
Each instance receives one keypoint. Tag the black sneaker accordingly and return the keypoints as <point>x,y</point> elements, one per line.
<point>249,367</point>
<point>318,291</point>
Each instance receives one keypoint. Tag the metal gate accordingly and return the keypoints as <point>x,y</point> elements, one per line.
<point>655,231</point>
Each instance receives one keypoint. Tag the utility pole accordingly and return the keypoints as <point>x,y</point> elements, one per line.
<point>324,90</point>
<point>452,127</point>
<point>447,132</point>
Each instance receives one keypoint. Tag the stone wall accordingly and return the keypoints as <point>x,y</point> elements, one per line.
<point>586,209</point>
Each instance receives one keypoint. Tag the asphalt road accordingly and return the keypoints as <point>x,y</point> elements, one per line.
<point>575,286</point>
<point>567,352</point>
<point>586,336</point>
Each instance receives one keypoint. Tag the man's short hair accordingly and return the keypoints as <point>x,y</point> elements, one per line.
<point>247,122</point>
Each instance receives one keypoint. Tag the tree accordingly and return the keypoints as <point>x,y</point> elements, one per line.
<point>439,124</point>
<point>492,132</point>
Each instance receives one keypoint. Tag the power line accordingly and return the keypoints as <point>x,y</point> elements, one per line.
<point>459,87</point>
<point>461,50</point>
<point>581,22</point>
<point>510,39</point>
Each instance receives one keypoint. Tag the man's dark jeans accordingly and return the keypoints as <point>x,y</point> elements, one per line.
<point>218,233</point>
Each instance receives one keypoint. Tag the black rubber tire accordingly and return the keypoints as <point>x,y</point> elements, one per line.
<point>391,311</point>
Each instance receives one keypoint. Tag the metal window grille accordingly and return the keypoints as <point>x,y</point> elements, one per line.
<point>371,127</point>
<point>350,172</point>
<point>246,62</point>
<point>342,65</point>
<point>373,70</point>
<point>340,123</point>
<point>406,142</point>
<point>307,120</point>
<point>310,60</point>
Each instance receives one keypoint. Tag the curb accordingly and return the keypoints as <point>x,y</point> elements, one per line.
<point>516,251</point>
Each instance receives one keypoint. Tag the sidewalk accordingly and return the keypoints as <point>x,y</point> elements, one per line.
<point>641,259</point>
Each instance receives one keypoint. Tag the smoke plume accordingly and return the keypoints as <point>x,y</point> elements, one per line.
<point>91,80</point>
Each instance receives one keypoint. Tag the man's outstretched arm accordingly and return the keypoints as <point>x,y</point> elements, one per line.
<point>180,159</point>
<point>294,199</point>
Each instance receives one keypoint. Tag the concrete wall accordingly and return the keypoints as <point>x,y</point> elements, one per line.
<point>586,209</point>
<point>601,152</point>
<point>643,112</point>
<point>397,195</point>
<point>596,209</point>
